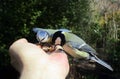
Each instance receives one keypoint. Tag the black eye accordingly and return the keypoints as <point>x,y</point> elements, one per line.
<point>59,34</point>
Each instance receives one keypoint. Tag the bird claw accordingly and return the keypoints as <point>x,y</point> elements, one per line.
<point>46,47</point>
<point>58,48</point>
<point>50,48</point>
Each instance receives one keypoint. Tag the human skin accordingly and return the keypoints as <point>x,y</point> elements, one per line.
<point>33,63</point>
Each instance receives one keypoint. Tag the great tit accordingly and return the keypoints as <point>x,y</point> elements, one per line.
<point>78,48</point>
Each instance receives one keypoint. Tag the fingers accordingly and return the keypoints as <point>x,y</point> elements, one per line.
<point>22,44</point>
<point>22,52</point>
<point>15,59</point>
<point>22,40</point>
<point>23,47</point>
<point>16,43</point>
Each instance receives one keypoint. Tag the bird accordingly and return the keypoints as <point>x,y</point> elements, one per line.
<point>72,44</point>
<point>44,38</point>
<point>45,35</point>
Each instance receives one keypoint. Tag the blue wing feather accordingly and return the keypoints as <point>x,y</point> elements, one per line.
<point>65,30</point>
<point>37,29</point>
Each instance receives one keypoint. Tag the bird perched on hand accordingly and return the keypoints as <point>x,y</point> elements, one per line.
<point>72,44</point>
<point>44,37</point>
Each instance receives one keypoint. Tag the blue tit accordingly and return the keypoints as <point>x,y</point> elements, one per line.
<point>45,35</point>
<point>42,36</point>
<point>78,48</point>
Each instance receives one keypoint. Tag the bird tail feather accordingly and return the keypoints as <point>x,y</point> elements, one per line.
<point>101,62</point>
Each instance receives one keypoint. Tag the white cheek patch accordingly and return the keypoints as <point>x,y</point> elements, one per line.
<point>45,39</point>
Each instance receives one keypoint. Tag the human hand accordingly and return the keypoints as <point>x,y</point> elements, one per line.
<point>33,63</point>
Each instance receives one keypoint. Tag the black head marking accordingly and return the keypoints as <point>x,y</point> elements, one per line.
<point>61,35</point>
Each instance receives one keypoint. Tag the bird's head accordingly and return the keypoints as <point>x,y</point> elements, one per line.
<point>59,34</point>
<point>42,36</point>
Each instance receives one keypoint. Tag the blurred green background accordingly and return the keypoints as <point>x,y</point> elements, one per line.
<point>95,21</point>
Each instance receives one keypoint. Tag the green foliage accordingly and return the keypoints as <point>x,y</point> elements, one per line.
<point>105,23</point>
<point>4,58</point>
<point>113,49</point>
<point>18,17</point>
<point>91,77</point>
